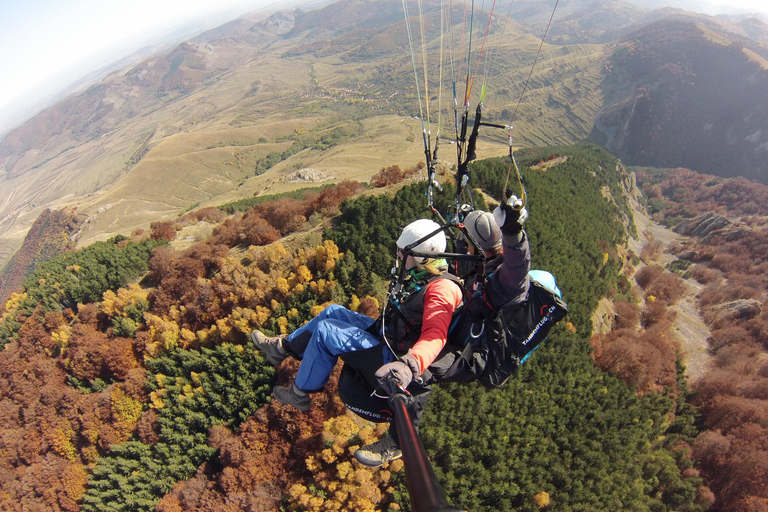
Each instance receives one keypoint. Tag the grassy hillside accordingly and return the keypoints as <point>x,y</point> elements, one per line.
<point>190,127</point>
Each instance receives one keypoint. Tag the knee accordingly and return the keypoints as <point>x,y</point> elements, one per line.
<point>325,335</point>
<point>329,312</point>
<point>332,309</point>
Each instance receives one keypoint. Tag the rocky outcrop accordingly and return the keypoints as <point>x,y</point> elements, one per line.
<point>307,175</point>
<point>737,310</point>
<point>702,225</point>
<point>281,22</point>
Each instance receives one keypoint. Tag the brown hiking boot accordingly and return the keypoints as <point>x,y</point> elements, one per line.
<point>287,395</point>
<point>272,348</point>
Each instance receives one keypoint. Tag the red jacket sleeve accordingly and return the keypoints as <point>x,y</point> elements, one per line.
<point>441,299</point>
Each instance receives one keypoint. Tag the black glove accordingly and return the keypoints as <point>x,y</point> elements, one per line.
<point>402,370</point>
<point>510,216</point>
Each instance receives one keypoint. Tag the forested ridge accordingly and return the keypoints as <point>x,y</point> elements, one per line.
<point>134,388</point>
<point>49,235</point>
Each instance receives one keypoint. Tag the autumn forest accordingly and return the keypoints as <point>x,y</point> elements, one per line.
<point>127,382</point>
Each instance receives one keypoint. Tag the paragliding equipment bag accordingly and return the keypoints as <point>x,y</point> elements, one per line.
<point>506,336</point>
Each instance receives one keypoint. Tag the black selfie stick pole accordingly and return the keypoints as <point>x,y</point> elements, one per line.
<point>423,487</point>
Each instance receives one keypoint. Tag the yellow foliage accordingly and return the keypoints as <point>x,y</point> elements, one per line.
<point>270,256</point>
<point>60,337</point>
<point>345,470</point>
<point>571,328</point>
<point>605,258</point>
<point>296,491</point>
<point>282,323</point>
<point>90,454</point>
<point>328,456</point>
<point>62,444</point>
<point>650,298</point>
<point>188,391</point>
<point>362,505</point>
<point>312,464</point>
<point>542,499</point>
<point>282,286</point>
<point>224,328</point>
<point>345,484</point>
<point>187,338</point>
<point>108,304</point>
<point>303,275</point>
<point>74,478</point>
<point>204,338</point>
<point>367,435</point>
<point>363,476</point>
<point>114,304</point>
<point>175,313</point>
<point>12,305</point>
<point>292,313</point>
<point>298,289</point>
<point>334,505</point>
<point>354,302</point>
<point>91,433</point>
<point>156,397</point>
<point>163,335</point>
<point>262,315</point>
<point>339,428</point>
<point>326,256</point>
<point>124,406</point>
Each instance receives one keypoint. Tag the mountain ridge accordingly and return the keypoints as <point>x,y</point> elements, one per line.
<point>679,79</point>
<point>202,116</point>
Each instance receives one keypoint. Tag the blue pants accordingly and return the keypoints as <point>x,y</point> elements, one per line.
<point>334,332</point>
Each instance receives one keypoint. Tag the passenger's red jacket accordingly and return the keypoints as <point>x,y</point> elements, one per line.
<point>508,282</point>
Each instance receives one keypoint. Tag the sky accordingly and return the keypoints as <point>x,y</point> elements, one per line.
<point>66,39</point>
<point>45,43</point>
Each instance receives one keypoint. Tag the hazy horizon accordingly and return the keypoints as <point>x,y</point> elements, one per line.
<point>57,45</point>
<point>49,47</point>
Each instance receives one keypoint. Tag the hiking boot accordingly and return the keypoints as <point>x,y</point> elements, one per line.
<point>382,451</point>
<point>287,395</point>
<point>272,348</point>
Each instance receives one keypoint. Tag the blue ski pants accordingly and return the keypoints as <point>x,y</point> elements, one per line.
<point>332,333</point>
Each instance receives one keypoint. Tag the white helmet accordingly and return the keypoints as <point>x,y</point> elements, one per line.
<point>417,230</point>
